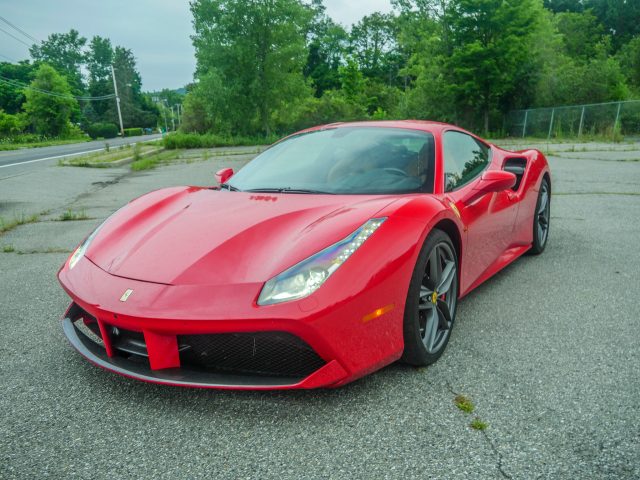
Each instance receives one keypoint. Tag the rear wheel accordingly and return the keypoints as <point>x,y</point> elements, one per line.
<point>431,302</point>
<point>541,218</point>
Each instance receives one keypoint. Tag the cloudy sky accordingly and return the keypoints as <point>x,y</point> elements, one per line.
<point>157,31</point>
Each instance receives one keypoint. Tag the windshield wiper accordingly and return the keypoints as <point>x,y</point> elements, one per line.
<point>231,188</point>
<point>288,190</point>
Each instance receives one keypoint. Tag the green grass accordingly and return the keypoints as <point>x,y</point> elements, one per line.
<point>9,145</point>
<point>22,219</point>
<point>152,161</point>
<point>105,158</point>
<point>8,249</point>
<point>70,216</point>
<point>464,403</point>
<point>478,424</point>
<point>211,140</point>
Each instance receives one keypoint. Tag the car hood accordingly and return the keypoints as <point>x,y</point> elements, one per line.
<point>204,236</point>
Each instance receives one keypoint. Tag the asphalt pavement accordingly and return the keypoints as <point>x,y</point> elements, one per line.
<point>17,160</point>
<point>547,351</point>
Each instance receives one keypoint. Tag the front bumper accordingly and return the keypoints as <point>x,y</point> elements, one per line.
<point>135,366</point>
<point>340,346</point>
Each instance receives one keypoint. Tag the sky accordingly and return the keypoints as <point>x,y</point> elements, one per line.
<point>157,31</point>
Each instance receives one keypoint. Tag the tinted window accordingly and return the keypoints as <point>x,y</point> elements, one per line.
<point>464,159</point>
<point>358,160</point>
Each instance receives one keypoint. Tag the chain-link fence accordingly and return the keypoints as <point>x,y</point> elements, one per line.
<point>613,120</point>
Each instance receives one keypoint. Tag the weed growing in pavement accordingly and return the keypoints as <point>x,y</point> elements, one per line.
<point>16,221</point>
<point>464,403</point>
<point>8,249</point>
<point>70,216</point>
<point>478,424</point>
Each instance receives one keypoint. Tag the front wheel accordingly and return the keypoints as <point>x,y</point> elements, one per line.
<point>431,302</point>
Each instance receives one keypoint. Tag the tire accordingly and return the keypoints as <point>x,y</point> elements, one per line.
<point>426,308</point>
<point>541,218</point>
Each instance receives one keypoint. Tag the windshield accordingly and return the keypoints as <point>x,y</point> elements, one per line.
<point>348,160</point>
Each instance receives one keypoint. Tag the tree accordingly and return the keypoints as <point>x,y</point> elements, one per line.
<point>581,33</point>
<point>258,50</point>
<point>49,113</point>
<point>12,97</point>
<point>98,61</point>
<point>327,50</point>
<point>620,18</point>
<point>629,58</point>
<point>373,44</point>
<point>491,50</point>
<point>64,52</point>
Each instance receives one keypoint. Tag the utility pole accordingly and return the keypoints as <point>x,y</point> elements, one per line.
<point>115,90</point>
<point>173,118</point>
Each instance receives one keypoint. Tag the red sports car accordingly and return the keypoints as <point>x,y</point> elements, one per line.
<point>335,252</point>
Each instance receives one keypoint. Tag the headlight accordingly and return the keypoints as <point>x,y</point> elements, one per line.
<point>80,251</point>
<point>307,276</point>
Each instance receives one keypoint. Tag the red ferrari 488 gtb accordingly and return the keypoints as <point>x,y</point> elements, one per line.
<point>335,252</point>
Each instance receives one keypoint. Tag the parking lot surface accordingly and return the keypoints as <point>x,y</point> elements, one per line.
<point>547,351</point>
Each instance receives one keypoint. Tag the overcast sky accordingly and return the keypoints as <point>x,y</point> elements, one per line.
<point>157,31</point>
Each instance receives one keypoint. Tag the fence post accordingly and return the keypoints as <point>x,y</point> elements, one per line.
<point>524,127</point>
<point>553,114</point>
<point>617,118</point>
<point>581,123</point>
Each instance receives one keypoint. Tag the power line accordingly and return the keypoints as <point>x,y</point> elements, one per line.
<point>10,59</point>
<point>16,84</point>
<point>18,29</point>
<point>14,37</point>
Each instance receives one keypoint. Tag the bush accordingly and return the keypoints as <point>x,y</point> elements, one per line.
<point>210,140</point>
<point>133,132</point>
<point>103,130</point>
<point>11,124</point>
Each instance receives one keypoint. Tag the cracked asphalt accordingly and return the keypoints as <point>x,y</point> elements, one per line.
<point>547,351</point>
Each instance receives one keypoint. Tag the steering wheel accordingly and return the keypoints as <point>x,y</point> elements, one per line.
<point>397,171</point>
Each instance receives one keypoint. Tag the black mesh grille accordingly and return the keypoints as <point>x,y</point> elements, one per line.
<point>267,353</point>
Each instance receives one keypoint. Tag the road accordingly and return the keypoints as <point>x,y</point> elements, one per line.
<point>547,350</point>
<point>18,159</point>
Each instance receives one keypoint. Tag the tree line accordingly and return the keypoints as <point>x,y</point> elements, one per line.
<point>71,89</point>
<point>275,66</point>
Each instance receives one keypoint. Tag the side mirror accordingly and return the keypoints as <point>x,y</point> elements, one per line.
<point>225,174</point>
<point>491,181</point>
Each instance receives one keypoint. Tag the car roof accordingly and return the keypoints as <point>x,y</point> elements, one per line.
<point>424,125</point>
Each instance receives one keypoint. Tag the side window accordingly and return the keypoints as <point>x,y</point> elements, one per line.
<point>464,159</point>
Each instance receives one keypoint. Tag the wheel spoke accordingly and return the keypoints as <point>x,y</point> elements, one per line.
<point>544,199</point>
<point>435,269</point>
<point>425,292</point>
<point>431,330</point>
<point>445,317</point>
<point>448,274</point>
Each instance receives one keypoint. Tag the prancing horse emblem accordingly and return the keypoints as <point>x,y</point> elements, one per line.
<point>126,295</point>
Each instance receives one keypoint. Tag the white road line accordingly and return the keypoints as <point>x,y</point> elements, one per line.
<point>70,154</point>
<point>51,158</point>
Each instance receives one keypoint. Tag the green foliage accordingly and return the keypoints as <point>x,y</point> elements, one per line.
<point>252,55</point>
<point>11,125</point>
<point>103,130</point>
<point>11,97</point>
<point>133,132</point>
<point>49,115</point>
<point>64,52</point>
<point>210,140</point>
